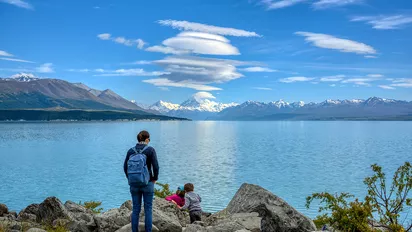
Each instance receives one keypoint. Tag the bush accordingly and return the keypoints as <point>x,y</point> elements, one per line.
<point>93,206</point>
<point>164,190</point>
<point>355,215</point>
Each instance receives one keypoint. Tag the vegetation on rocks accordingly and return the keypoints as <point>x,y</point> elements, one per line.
<point>387,203</point>
<point>93,206</point>
<point>163,191</point>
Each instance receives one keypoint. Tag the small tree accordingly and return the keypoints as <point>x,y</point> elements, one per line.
<point>352,216</point>
<point>164,191</point>
<point>92,205</point>
<point>389,205</point>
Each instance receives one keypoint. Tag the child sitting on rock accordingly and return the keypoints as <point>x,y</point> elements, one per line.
<point>192,203</point>
<point>179,197</point>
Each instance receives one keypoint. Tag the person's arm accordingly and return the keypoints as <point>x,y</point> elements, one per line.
<point>125,162</point>
<point>200,199</point>
<point>187,203</point>
<point>155,165</point>
<point>169,198</point>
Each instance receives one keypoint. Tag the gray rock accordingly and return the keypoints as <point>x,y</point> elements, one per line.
<point>35,230</point>
<point>83,219</point>
<point>227,226</point>
<point>127,205</point>
<point>128,228</point>
<point>248,221</point>
<point>29,213</point>
<point>3,209</point>
<point>60,222</point>
<point>52,209</point>
<point>166,216</point>
<point>276,214</point>
<point>112,220</point>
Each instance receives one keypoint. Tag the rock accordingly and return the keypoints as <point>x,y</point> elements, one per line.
<point>13,214</point>
<point>16,227</point>
<point>35,230</point>
<point>29,213</point>
<point>83,219</point>
<point>227,226</point>
<point>276,214</point>
<point>112,220</point>
<point>127,205</point>
<point>248,221</point>
<point>52,209</point>
<point>3,210</point>
<point>128,228</point>
<point>60,223</point>
<point>166,216</point>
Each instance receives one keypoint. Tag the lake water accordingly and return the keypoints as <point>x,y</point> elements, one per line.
<point>83,161</point>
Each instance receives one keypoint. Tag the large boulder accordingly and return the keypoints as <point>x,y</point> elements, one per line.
<point>51,209</point>
<point>29,213</point>
<point>3,210</point>
<point>112,219</point>
<point>276,214</point>
<point>128,228</point>
<point>35,230</point>
<point>234,222</point>
<point>83,218</point>
<point>227,226</point>
<point>166,216</point>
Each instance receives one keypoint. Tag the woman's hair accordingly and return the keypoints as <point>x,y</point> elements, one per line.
<point>180,193</point>
<point>189,187</point>
<point>142,136</point>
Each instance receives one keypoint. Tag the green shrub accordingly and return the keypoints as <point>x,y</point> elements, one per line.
<point>92,205</point>
<point>164,190</point>
<point>355,216</point>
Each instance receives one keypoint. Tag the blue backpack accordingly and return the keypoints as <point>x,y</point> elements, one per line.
<point>137,171</point>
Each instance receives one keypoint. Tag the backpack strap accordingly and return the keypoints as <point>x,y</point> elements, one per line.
<point>141,151</point>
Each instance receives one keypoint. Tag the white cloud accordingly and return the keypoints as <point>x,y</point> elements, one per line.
<point>335,78</point>
<point>277,4</point>
<point>139,43</point>
<point>141,62</point>
<point>191,26</point>
<point>386,87</point>
<point>45,68</point>
<point>331,42</point>
<point>402,82</point>
<point>16,60</point>
<point>295,79</point>
<point>130,72</point>
<point>358,80</point>
<point>332,85</point>
<point>4,53</point>
<point>258,69</point>
<point>166,50</point>
<point>203,95</point>
<point>84,70</point>
<point>323,4</point>
<point>262,88</point>
<point>384,22</point>
<point>370,57</point>
<point>19,3</point>
<point>375,75</point>
<point>163,82</point>
<point>99,70</point>
<point>104,36</point>
<point>201,43</point>
<point>361,83</point>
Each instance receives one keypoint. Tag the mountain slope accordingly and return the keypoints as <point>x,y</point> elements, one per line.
<point>24,91</point>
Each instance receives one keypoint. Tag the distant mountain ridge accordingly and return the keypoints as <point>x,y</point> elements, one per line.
<point>373,108</point>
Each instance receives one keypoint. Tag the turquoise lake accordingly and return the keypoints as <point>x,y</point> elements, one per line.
<point>84,161</point>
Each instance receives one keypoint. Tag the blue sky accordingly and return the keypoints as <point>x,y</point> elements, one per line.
<point>236,50</point>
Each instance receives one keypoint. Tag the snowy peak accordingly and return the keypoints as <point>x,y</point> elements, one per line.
<point>279,104</point>
<point>23,77</point>
<point>163,107</point>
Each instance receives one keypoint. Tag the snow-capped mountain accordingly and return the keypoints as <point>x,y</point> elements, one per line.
<point>372,108</point>
<point>193,108</point>
<point>22,77</point>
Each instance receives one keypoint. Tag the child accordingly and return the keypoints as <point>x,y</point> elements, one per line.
<point>179,197</point>
<point>192,203</point>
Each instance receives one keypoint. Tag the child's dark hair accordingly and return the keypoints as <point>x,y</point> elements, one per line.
<point>142,136</point>
<point>189,187</point>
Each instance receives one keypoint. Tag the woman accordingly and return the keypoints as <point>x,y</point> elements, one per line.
<point>145,191</point>
<point>179,197</point>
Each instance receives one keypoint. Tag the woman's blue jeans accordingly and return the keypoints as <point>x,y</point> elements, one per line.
<point>147,193</point>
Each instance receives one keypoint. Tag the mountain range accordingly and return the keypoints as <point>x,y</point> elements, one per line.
<point>25,91</point>
<point>373,108</point>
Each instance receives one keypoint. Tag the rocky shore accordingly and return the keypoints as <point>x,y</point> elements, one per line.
<point>252,209</point>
